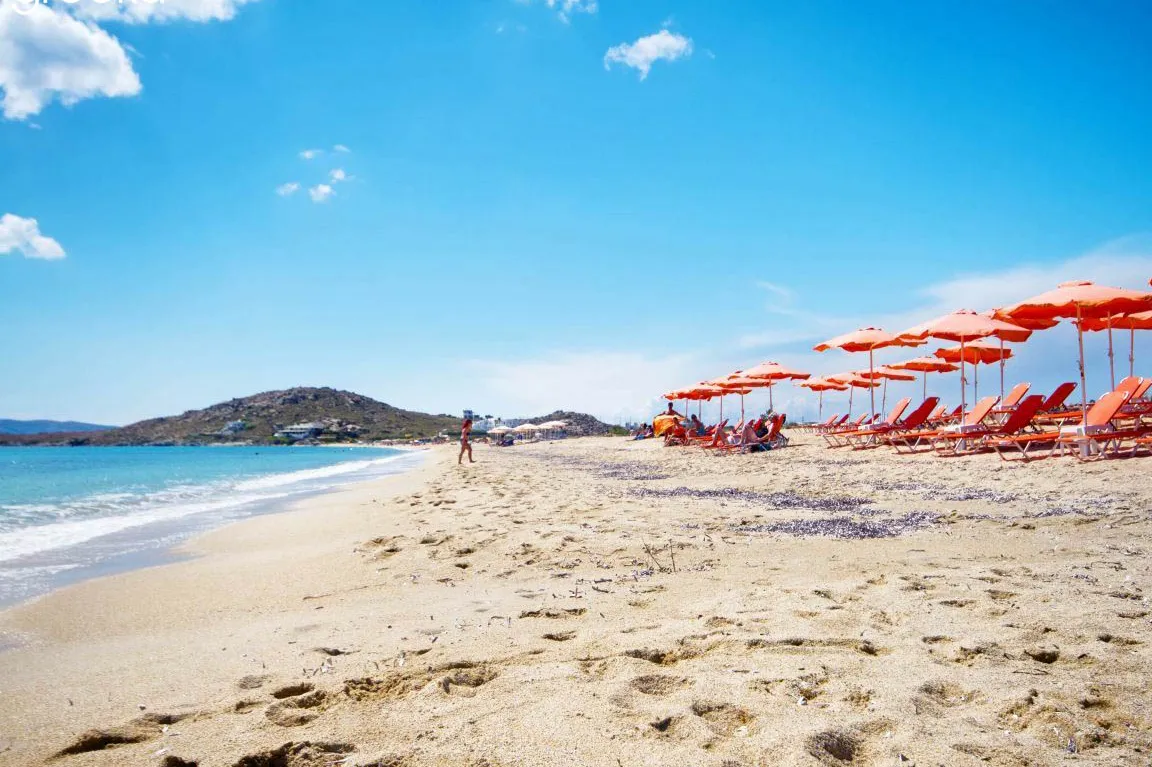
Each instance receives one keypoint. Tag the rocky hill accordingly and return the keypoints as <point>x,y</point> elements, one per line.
<point>579,424</point>
<point>335,415</point>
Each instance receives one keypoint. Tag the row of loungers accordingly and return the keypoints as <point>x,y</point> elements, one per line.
<point>1022,426</point>
<point>717,437</point>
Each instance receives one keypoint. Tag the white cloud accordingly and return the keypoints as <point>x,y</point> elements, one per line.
<point>23,235</point>
<point>565,8</point>
<point>47,54</point>
<point>610,385</point>
<point>289,189</point>
<point>640,55</point>
<point>321,193</point>
<point>341,148</point>
<point>781,292</point>
<point>311,154</point>
<point>337,175</point>
<point>160,11</point>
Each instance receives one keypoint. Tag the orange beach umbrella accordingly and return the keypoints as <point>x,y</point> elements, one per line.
<point>975,354</point>
<point>1129,322</point>
<point>866,340</point>
<point>821,385</point>
<point>924,366</point>
<point>773,372</point>
<point>1080,300</point>
<point>739,383</point>
<point>886,373</point>
<point>854,382</point>
<point>967,326</point>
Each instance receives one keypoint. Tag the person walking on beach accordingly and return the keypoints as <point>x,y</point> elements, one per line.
<point>465,445</point>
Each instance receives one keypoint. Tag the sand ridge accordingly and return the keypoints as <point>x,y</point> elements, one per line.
<point>606,602</point>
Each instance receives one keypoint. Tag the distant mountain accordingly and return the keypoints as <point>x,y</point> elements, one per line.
<point>327,415</point>
<point>579,424</point>
<point>48,427</point>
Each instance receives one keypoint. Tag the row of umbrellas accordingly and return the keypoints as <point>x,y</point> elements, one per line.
<point>528,428</point>
<point>981,338</point>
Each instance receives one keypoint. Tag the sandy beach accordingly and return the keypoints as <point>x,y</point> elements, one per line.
<point>616,603</point>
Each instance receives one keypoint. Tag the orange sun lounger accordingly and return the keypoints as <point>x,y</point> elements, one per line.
<point>1097,435</point>
<point>1094,428</point>
<point>876,436</point>
<point>842,438</point>
<point>907,443</point>
<point>965,443</point>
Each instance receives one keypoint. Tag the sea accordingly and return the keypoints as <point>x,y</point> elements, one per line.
<point>72,513</point>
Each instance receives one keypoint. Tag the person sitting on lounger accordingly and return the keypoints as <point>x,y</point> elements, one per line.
<point>751,440</point>
<point>696,426</point>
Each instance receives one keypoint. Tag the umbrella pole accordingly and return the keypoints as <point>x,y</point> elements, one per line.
<point>963,385</point>
<point>1002,369</point>
<point>741,408</point>
<point>884,399</point>
<point>975,381</point>
<point>851,393</point>
<point>924,376</point>
<point>871,389</point>
<point>771,405</point>
<point>1111,358</point>
<point>1083,380</point>
<point>1132,349</point>
<point>820,413</point>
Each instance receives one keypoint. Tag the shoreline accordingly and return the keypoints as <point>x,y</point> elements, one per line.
<point>658,602</point>
<point>157,542</point>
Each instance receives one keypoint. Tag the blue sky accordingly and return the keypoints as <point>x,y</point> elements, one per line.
<point>563,204</point>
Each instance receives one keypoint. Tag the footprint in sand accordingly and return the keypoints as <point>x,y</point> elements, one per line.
<point>935,696</point>
<point>139,730</point>
<point>657,684</point>
<point>554,614</point>
<point>299,755</point>
<point>296,710</point>
<point>561,636</point>
<point>724,718</point>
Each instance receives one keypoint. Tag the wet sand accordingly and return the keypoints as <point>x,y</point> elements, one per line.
<point>605,602</point>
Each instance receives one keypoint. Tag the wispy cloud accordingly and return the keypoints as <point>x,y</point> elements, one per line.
<point>311,154</point>
<point>336,175</point>
<point>321,193</point>
<point>642,54</point>
<point>341,148</point>
<point>159,11</point>
<point>289,189</point>
<point>566,9</point>
<point>22,235</point>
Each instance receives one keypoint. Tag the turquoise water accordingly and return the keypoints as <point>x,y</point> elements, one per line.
<point>67,513</point>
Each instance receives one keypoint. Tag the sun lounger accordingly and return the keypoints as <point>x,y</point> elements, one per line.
<point>1098,435</point>
<point>944,419</point>
<point>836,424</point>
<point>1009,403</point>
<point>1058,397</point>
<point>973,422</point>
<point>964,443</point>
<point>874,437</point>
<point>841,439</point>
<point>773,439</point>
